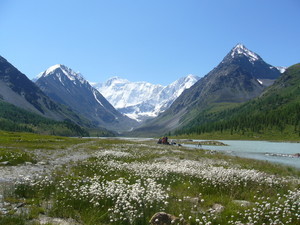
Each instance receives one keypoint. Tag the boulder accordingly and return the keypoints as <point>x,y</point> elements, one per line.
<point>162,218</point>
<point>297,155</point>
<point>216,208</point>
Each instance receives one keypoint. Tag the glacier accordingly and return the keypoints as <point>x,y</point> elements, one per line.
<point>142,100</point>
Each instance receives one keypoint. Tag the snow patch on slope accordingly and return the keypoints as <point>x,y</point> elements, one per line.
<point>95,96</point>
<point>281,69</point>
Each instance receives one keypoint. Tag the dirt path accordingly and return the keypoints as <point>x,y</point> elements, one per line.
<point>48,161</point>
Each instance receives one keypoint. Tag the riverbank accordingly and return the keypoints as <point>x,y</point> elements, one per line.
<point>277,137</point>
<point>115,181</point>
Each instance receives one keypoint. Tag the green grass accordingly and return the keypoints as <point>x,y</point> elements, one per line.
<point>13,118</point>
<point>36,141</point>
<point>126,182</point>
<point>271,135</point>
<point>14,157</point>
<point>12,220</point>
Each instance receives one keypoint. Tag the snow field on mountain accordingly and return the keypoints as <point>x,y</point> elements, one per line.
<point>140,100</point>
<point>126,182</point>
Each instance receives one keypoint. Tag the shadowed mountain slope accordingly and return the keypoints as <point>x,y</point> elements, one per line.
<point>242,75</point>
<point>67,87</point>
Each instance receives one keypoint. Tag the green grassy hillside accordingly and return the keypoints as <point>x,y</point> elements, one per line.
<point>13,118</point>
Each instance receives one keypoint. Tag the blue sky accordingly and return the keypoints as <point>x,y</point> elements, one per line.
<point>157,41</point>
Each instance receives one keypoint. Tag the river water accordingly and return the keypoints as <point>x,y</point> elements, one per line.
<point>277,152</point>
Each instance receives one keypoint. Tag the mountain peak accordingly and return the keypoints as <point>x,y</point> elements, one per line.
<point>51,69</point>
<point>241,50</point>
<point>59,70</point>
<point>142,100</point>
<point>240,46</point>
<point>192,77</point>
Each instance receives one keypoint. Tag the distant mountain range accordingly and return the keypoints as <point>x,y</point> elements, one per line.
<point>67,87</point>
<point>242,94</point>
<point>242,75</point>
<point>142,100</point>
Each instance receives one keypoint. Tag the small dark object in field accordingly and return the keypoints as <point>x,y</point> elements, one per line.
<point>162,218</point>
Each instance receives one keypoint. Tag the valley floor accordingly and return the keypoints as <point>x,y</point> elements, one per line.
<point>74,181</point>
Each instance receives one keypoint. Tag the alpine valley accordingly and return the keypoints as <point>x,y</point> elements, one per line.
<point>243,96</point>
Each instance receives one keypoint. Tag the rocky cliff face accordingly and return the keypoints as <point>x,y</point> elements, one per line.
<point>17,89</point>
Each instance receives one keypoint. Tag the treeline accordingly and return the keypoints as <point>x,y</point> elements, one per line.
<point>276,111</point>
<point>16,119</point>
<point>250,120</point>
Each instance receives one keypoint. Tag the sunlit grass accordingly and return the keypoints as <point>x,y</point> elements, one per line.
<point>34,141</point>
<point>12,157</point>
<point>126,182</point>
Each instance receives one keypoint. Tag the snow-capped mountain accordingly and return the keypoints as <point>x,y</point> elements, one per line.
<point>67,87</point>
<point>240,49</point>
<point>69,73</point>
<point>17,89</point>
<point>142,100</point>
<point>242,75</point>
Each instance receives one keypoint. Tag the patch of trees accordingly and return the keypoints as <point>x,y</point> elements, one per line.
<point>257,117</point>
<point>16,119</point>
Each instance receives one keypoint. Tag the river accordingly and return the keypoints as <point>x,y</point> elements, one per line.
<point>277,152</point>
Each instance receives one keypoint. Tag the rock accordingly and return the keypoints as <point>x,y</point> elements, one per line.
<point>216,208</point>
<point>194,200</point>
<point>21,204</point>
<point>48,205</point>
<point>5,163</point>
<point>22,210</point>
<point>3,211</point>
<point>56,221</point>
<point>28,163</point>
<point>162,218</point>
<point>6,204</point>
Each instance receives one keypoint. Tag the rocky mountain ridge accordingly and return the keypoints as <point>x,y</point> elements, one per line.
<point>242,75</point>
<point>17,89</point>
<point>67,87</point>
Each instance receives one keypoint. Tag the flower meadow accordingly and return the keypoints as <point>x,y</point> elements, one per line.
<point>127,182</point>
<point>14,157</point>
